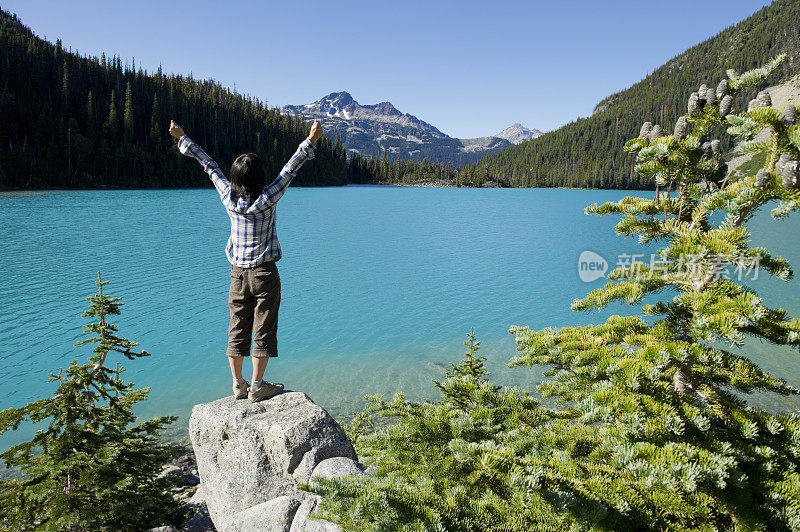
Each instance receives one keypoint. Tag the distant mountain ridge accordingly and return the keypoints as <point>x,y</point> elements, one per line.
<point>342,105</point>
<point>370,130</point>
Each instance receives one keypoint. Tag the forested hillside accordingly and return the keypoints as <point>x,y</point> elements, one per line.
<point>588,152</point>
<point>68,120</point>
<point>73,121</point>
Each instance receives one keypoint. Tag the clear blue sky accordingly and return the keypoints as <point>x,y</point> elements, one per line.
<point>469,68</point>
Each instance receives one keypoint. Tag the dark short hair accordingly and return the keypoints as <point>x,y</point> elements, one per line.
<point>247,177</point>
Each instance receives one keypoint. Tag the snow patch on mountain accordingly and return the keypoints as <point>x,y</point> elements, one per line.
<point>517,133</point>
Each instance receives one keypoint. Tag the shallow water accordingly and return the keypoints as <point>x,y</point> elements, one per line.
<point>380,285</point>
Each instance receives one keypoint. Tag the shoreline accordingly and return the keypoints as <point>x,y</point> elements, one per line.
<point>421,184</point>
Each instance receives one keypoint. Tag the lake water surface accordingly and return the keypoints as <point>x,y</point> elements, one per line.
<point>380,285</point>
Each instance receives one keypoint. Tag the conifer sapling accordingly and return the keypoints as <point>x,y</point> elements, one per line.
<point>89,468</point>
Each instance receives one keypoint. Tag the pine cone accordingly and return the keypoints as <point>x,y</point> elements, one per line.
<point>680,128</point>
<point>694,104</point>
<point>789,115</point>
<point>784,158</point>
<point>764,99</point>
<point>753,105</point>
<point>762,178</point>
<point>681,384</point>
<point>706,146</point>
<point>789,174</point>
<point>702,90</point>
<point>711,97</point>
<point>655,133</point>
<point>722,88</point>
<point>725,105</point>
<point>715,146</point>
<point>646,127</point>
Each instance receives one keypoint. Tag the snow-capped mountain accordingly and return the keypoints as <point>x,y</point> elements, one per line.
<point>517,133</point>
<point>342,105</point>
<point>371,129</point>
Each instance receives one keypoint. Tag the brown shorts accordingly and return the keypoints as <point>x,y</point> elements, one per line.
<point>254,298</point>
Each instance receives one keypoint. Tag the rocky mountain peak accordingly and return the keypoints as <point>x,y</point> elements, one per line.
<point>386,108</point>
<point>517,133</point>
<point>370,130</point>
<point>339,98</point>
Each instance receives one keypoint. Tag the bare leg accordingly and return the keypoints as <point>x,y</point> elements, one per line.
<point>259,366</point>
<point>236,366</point>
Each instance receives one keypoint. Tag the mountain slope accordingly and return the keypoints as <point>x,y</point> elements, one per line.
<point>73,121</point>
<point>370,129</point>
<point>588,152</point>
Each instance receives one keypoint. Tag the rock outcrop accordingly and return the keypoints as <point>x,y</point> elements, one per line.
<point>252,456</point>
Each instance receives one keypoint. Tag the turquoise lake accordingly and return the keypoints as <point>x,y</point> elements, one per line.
<point>380,285</point>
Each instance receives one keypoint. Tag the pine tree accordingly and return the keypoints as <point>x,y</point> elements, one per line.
<point>128,117</point>
<point>88,468</point>
<point>90,114</point>
<point>662,388</point>
<point>155,120</point>
<point>650,428</point>
<point>65,98</point>
<point>110,125</point>
<point>454,464</point>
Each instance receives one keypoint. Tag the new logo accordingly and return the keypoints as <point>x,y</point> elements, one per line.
<point>591,266</point>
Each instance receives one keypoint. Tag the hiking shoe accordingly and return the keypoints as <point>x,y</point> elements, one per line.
<point>265,391</point>
<point>240,390</point>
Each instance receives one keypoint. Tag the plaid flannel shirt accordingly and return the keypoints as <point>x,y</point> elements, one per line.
<point>253,240</point>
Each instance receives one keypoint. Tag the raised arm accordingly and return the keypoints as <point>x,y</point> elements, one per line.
<point>190,149</point>
<point>273,192</point>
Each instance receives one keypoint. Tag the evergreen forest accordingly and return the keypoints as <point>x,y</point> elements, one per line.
<point>588,153</point>
<point>71,121</point>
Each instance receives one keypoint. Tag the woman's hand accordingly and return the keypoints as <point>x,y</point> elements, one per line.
<point>175,130</point>
<point>316,132</point>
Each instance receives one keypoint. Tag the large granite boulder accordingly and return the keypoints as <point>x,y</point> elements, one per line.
<point>275,514</point>
<point>337,467</point>
<point>303,522</point>
<point>249,454</point>
<point>330,468</point>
